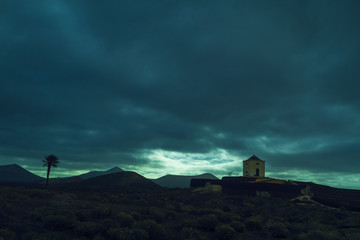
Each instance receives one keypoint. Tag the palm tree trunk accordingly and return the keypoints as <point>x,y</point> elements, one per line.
<point>47,176</point>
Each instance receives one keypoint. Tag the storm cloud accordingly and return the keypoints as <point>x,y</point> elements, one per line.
<point>118,82</point>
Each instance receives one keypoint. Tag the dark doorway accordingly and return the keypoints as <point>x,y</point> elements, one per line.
<point>257,172</point>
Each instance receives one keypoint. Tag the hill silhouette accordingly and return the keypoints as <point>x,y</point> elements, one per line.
<point>92,174</point>
<point>180,181</point>
<point>15,173</point>
<point>79,178</point>
<point>124,181</point>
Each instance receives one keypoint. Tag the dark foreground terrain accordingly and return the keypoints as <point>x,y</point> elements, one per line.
<point>34,212</point>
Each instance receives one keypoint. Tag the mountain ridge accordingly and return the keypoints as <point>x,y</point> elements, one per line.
<point>92,174</point>
<point>123,181</point>
<point>16,173</point>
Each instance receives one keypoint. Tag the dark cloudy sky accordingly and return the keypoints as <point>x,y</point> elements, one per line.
<point>182,87</point>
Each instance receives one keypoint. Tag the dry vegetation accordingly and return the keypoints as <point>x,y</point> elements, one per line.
<point>35,213</point>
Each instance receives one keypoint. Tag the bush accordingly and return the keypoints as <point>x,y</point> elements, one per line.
<point>253,223</point>
<point>57,222</point>
<point>136,216</point>
<point>352,234</point>
<point>154,214</point>
<point>278,230</point>
<point>153,229</point>
<point>44,236</point>
<point>124,233</point>
<point>40,193</point>
<point>84,214</point>
<point>87,228</point>
<point>124,220</point>
<point>7,234</point>
<point>171,215</point>
<point>109,223</point>
<point>238,226</point>
<point>208,222</point>
<point>39,213</point>
<point>189,234</point>
<point>186,233</point>
<point>139,234</point>
<point>102,211</point>
<point>190,223</point>
<point>320,235</point>
<point>119,233</point>
<point>224,232</point>
<point>224,217</point>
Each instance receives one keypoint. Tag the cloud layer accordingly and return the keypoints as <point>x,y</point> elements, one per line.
<point>100,84</point>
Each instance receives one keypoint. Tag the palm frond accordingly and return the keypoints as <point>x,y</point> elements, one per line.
<point>51,161</point>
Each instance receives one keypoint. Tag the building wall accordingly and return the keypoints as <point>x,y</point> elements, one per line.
<point>250,166</point>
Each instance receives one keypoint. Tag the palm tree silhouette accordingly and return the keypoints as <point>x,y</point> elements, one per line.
<point>50,161</point>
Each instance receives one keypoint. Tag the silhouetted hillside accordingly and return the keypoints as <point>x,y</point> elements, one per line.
<point>15,173</point>
<point>173,214</point>
<point>62,180</point>
<point>335,197</point>
<point>125,181</point>
<point>92,174</point>
<point>180,181</point>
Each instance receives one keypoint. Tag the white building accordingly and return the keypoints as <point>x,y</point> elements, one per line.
<point>254,166</point>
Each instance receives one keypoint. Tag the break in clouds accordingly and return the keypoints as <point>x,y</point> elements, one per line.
<point>182,86</point>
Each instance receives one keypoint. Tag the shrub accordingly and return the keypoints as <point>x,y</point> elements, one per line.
<point>226,217</point>
<point>208,222</point>
<point>57,222</point>
<point>186,209</point>
<point>139,234</point>
<point>191,223</point>
<point>297,228</point>
<point>87,228</point>
<point>189,234</point>
<point>278,230</point>
<point>154,230</point>
<point>156,214</point>
<point>238,226</point>
<point>44,236</point>
<point>40,193</point>
<point>109,223</point>
<point>224,232</point>
<point>186,233</point>
<point>98,237</point>
<point>124,220</point>
<point>119,233</point>
<point>170,215</point>
<point>7,234</point>
<point>84,214</point>
<point>320,235</point>
<point>352,234</point>
<point>136,215</point>
<point>102,211</point>
<point>253,223</point>
<point>39,213</point>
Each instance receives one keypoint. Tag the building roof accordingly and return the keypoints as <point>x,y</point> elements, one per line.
<point>253,157</point>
